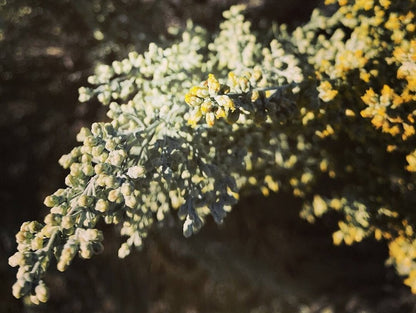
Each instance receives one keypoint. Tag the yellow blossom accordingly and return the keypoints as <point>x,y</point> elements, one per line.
<point>385,3</point>
<point>363,5</point>
<point>226,102</point>
<point>410,27</point>
<point>326,93</point>
<point>271,183</point>
<point>213,84</point>
<point>199,91</point>
<point>349,113</point>
<point>220,113</point>
<point>232,79</point>
<point>365,76</point>
<point>210,119</point>
<point>328,131</point>
<point>319,206</point>
<point>391,148</point>
<point>194,117</point>
<point>409,131</point>
<point>192,100</point>
<point>393,23</point>
<point>378,234</point>
<point>411,280</point>
<point>411,160</point>
<point>207,106</point>
<point>370,97</point>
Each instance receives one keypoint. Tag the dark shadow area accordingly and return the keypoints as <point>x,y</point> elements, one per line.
<point>263,259</point>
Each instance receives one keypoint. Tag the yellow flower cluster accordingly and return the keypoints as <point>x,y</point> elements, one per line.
<point>348,233</point>
<point>378,106</point>
<point>210,99</point>
<point>214,100</point>
<point>384,108</point>
<point>411,160</point>
<point>402,250</point>
<point>360,4</point>
<point>405,56</point>
<point>382,39</point>
<point>400,26</point>
<point>326,92</point>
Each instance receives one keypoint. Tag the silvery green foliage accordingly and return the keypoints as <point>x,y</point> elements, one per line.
<point>195,124</point>
<point>148,161</point>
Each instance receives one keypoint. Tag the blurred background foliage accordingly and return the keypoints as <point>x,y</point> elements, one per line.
<point>264,259</point>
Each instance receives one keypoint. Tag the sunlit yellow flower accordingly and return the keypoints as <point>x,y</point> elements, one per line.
<point>226,102</point>
<point>220,113</point>
<point>194,117</point>
<point>411,160</point>
<point>328,2</point>
<point>370,97</point>
<point>213,84</point>
<point>326,93</point>
<point>385,3</point>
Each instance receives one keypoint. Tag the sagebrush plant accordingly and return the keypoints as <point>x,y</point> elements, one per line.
<point>326,112</point>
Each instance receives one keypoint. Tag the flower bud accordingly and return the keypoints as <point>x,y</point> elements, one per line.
<point>126,189</point>
<point>207,106</point>
<point>96,129</point>
<point>91,141</point>
<point>110,181</point>
<point>83,134</point>
<point>52,219</point>
<point>84,200</point>
<point>87,169</point>
<point>36,243</point>
<point>42,292</point>
<point>16,259</point>
<point>51,201</point>
<point>123,251</point>
<point>86,251</point>
<point>21,236</point>
<point>104,97</point>
<point>20,288</point>
<point>84,94</point>
<point>75,169</point>
<point>71,181</point>
<point>93,235</point>
<point>102,157</point>
<point>47,230</point>
<point>100,168</point>
<point>116,157</point>
<point>58,210</point>
<point>114,195</point>
<point>67,254</point>
<point>65,161</point>
<point>210,119</point>
<point>33,299</point>
<point>117,67</point>
<point>97,150</point>
<point>68,221</point>
<point>135,171</point>
<point>110,145</point>
<point>101,205</point>
<point>130,201</point>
